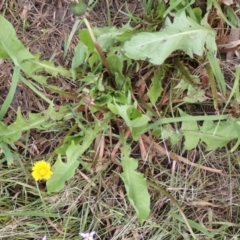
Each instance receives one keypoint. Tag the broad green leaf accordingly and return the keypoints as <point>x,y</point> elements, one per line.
<point>178,5</point>
<point>63,171</point>
<point>138,131</point>
<point>3,53</point>
<point>194,95</point>
<point>103,100</point>
<point>198,13</point>
<point>136,185</point>
<point>168,132</point>
<point>93,60</point>
<point>68,140</point>
<point>183,34</point>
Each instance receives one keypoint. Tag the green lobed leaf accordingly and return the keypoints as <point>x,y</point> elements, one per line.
<point>213,134</point>
<point>13,132</point>
<point>136,185</point>
<point>63,171</point>
<point>183,34</point>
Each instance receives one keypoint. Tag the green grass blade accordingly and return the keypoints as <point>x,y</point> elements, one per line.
<point>10,96</point>
<point>217,72</point>
<point>76,25</point>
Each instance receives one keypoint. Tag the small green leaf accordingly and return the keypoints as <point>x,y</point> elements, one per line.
<point>80,53</point>
<point>13,132</point>
<point>189,130</point>
<point>156,89</point>
<point>86,39</point>
<point>136,185</point>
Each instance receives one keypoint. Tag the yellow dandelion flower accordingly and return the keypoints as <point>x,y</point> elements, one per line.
<point>41,170</point>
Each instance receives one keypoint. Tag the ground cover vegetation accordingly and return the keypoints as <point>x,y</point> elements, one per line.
<point>119,119</point>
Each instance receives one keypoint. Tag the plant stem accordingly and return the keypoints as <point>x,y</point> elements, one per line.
<point>98,47</point>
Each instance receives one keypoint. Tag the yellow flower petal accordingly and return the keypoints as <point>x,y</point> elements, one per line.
<point>41,170</point>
